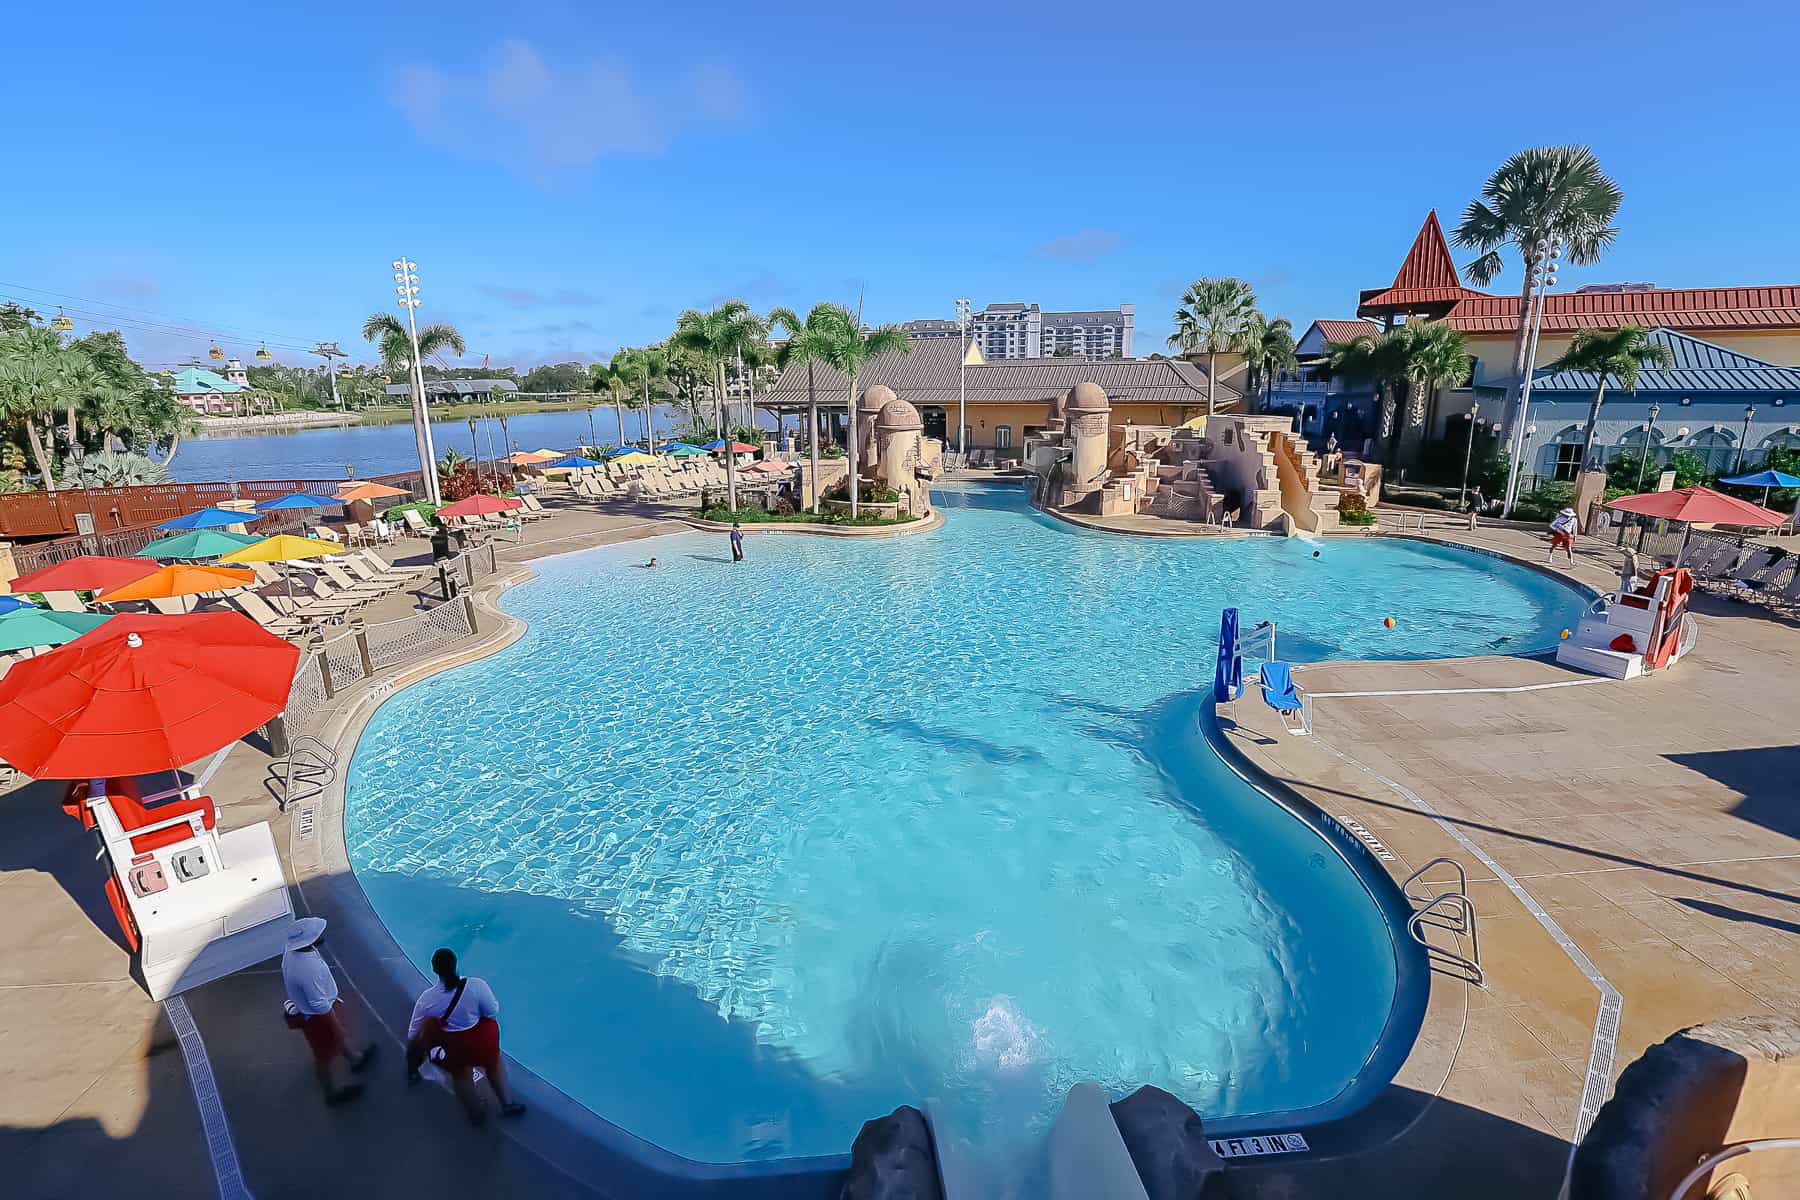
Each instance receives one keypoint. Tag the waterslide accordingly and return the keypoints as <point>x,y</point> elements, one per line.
<point>1296,497</point>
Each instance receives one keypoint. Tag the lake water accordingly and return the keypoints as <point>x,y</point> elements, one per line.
<point>385,449</point>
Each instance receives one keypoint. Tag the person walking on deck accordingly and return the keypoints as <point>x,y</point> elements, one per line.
<point>737,543</point>
<point>1562,535</point>
<point>454,1025</point>
<point>313,1007</point>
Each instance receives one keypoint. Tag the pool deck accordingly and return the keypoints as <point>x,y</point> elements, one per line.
<point>1654,823</point>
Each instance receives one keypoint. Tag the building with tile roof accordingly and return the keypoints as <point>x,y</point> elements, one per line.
<point>1009,398</point>
<point>209,393</point>
<point>453,391</point>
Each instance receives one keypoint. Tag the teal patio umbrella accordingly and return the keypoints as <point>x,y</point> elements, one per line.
<point>679,449</point>
<point>29,628</point>
<point>197,543</point>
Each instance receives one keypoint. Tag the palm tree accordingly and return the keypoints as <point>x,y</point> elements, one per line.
<point>391,337</point>
<point>32,385</point>
<point>1272,351</point>
<point>654,363</point>
<point>1371,360</point>
<point>610,377</point>
<point>717,336</point>
<point>1431,355</point>
<point>1621,354</point>
<point>808,342</point>
<point>1217,316</point>
<point>1547,194</point>
<point>849,347</point>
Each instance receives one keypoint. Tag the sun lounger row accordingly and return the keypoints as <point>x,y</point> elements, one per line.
<point>325,590</point>
<point>613,483</point>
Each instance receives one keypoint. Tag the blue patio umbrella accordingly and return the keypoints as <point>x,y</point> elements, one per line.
<point>1228,679</point>
<point>13,603</point>
<point>299,500</point>
<point>208,518</point>
<point>621,452</point>
<point>1765,479</point>
<point>573,461</point>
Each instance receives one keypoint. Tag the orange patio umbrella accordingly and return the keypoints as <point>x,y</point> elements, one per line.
<point>367,490</point>
<point>181,579</point>
<point>143,693</point>
<point>480,504</point>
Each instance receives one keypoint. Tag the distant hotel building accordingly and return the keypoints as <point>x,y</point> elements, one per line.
<point>1025,331</point>
<point>208,393</point>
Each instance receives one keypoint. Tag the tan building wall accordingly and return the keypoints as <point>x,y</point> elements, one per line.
<point>986,418</point>
<point>1495,350</point>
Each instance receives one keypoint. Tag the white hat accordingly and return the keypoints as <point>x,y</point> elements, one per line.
<point>1567,512</point>
<point>304,932</point>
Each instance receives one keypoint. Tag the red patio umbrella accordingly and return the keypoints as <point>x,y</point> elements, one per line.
<point>143,693</point>
<point>480,505</point>
<point>85,573</point>
<point>1697,506</point>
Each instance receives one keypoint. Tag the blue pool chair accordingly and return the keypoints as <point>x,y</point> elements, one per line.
<point>1281,693</point>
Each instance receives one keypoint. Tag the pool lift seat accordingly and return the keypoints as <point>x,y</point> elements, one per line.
<point>1287,698</point>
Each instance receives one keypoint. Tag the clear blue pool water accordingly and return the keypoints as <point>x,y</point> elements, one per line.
<point>752,853</point>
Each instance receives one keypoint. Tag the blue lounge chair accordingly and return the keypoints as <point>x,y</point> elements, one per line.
<point>1281,693</point>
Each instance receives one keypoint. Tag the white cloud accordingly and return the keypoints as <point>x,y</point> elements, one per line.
<point>543,119</point>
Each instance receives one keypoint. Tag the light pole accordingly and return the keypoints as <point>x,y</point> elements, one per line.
<point>1530,432</point>
<point>962,379</point>
<point>1462,497</point>
<point>329,351</point>
<point>406,287</point>
<point>1546,255</point>
<point>1749,412</point>
<point>1649,431</point>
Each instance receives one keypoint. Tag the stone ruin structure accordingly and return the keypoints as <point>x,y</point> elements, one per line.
<point>892,449</point>
<point>1249,472</point>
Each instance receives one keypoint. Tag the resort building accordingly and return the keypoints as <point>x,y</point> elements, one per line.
<point>1726,407</point>
<point>455,391</point>
<point>210,393</point>
<point>1025,331</point>
<point>1008,400</point>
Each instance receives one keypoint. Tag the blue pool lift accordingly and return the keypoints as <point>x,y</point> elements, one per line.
<point>1281,693</point>
<point>1228,679</point>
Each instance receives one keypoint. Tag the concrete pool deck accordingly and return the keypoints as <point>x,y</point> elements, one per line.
<point>1653,822</point>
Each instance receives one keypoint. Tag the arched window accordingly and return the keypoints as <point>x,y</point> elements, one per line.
<point>1561,457</point>
<point>1717,448</point>
<point>1785,439</point>
<point>1632,442</point>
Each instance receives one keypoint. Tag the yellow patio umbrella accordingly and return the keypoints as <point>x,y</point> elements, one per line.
<point>180,579</point>
<point>546,454</point>
<point>637,458</point>
<point>281,548</point>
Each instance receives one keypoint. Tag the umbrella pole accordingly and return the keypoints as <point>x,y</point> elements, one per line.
<point>1687,531</point>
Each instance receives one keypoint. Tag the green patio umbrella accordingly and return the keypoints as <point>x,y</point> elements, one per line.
<point>29,628</point>
<point>197,543</point>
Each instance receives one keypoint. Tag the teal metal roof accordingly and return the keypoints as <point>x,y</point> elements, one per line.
<point>194,379</point>
<point>1699,367</point>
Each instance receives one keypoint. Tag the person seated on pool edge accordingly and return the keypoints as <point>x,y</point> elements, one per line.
<point>454,1024</point>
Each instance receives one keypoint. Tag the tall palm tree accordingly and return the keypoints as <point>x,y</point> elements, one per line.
<point>610,377</point>
<point>654,363</point>
<point>1621,354</point>
<point>718,336</point>
<point>390,335</point>
<point>32,386</point>
<point>1217,316</point>
<point>1272,351</point>
<point>849,347</point>
<point>1547,193</point>
<point>808,342</point>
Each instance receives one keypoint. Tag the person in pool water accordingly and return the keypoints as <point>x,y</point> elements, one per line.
<point>737,543</point>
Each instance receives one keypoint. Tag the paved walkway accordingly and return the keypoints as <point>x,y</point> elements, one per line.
<point>1654,822</point>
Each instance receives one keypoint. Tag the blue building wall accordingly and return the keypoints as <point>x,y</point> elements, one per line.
<point>1711,426</point>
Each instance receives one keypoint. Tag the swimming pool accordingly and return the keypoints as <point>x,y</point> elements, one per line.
<point>752,853</point>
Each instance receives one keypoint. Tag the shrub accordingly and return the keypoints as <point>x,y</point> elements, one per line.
<point>832,451</point>
<point>399,511</point>
<point>1354,510</point>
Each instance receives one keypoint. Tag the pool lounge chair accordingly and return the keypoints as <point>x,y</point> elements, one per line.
<point>415,522</point>
<point>346,586</point>
<point>258,610</point>
<point>1281,693</point>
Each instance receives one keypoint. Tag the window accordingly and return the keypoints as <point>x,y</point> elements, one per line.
<point>1003,437</point>
<point>1567,464</point>
<point>1717,448</point>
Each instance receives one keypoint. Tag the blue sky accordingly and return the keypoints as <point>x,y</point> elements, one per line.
<point>570,177</point>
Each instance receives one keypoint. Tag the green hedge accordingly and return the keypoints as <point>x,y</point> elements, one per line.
<point>755,514</point>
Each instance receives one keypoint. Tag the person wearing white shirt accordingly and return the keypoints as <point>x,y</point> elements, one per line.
<point>455,1024</point>
<point>1562,535</point>
<point>313,1007</point>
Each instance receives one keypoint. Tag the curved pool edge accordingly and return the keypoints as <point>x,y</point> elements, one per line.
<point>1372,1109</point>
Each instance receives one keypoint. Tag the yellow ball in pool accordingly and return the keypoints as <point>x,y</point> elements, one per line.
<point>1564,635</point>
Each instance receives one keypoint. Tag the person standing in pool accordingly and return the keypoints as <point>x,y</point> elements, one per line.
<point>737,543</point>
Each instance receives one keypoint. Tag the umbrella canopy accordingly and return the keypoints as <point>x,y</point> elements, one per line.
<point>83,573</point>
<point>680,449</point>
<point>299,500</point>
<point>208,518</point>
<point>621,452</point>
<point>1697,506</point>
<point>770,467</point>
<point>574,462</point>
<point>143,693</point>
<point>282,547</point>
<point>182,579</point>
<point>532,458</point>
<point>633,458</point>
<point>546,453</point>
<point>28,628</point>
<point>367,490</point>
<point>13,604</point>
<point>736,447</point>
<point>197,543</point>
<point>480,505</point>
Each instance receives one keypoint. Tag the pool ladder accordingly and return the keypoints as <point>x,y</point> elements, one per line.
<point>310,767</point>
<point>1443,904</point>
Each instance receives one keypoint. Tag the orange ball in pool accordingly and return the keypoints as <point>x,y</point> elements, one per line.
<point>1388,622</point>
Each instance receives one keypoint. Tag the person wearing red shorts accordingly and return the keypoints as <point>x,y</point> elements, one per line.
<point>313,1007</point>
<point>454,1025</point>
<point>1562,535</point>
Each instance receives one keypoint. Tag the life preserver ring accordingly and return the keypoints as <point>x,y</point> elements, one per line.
<point>115,895</point>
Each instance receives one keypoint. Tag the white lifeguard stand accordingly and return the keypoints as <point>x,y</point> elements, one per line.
<point>195,903</point>
<point>1627,634</point>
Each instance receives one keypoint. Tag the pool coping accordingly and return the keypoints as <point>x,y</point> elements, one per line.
<point>635,1166</point>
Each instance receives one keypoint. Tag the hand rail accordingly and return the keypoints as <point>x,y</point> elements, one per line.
<point>310,762</point>
<point>1418,876</point>
<point>1728,1152</point>
<point>1465,924</point>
